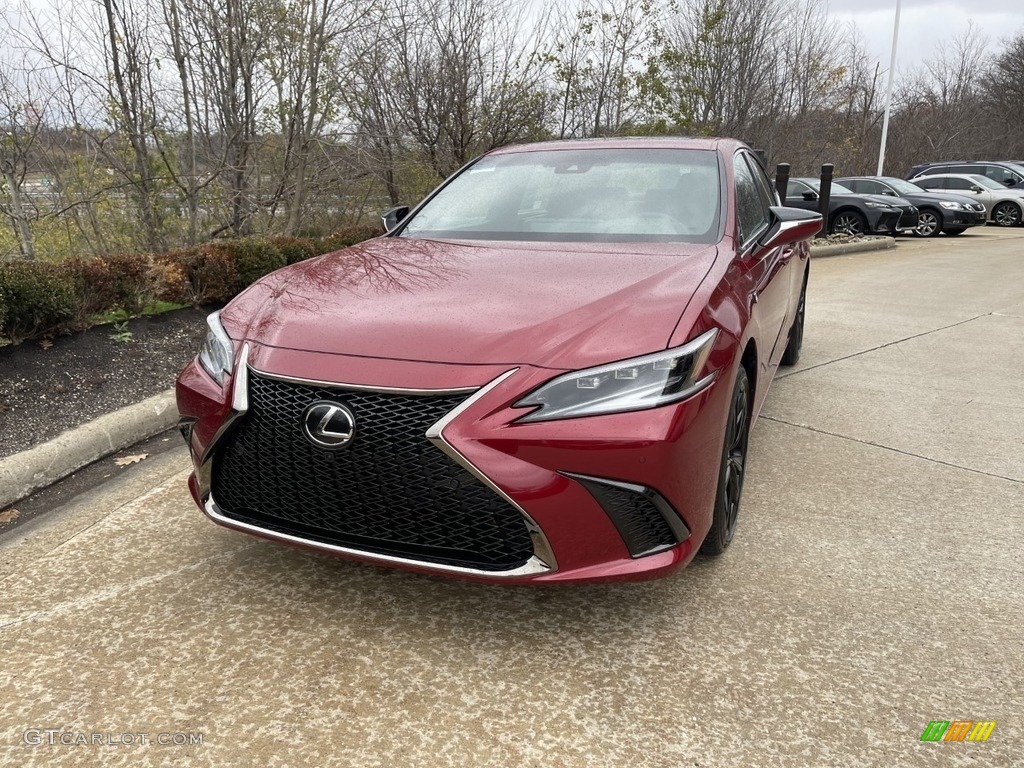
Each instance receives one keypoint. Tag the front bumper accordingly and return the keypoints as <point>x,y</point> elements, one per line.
<point>623,496</point>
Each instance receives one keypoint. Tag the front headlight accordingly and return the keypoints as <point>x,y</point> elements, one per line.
<point>629,385</point>
<point>882,206</point>
<point>217,351</point>
<point>949,205</point>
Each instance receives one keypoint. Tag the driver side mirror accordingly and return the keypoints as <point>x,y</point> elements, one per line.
<point>394,216</point>
<point>976,189</point>
<point>809,196</point>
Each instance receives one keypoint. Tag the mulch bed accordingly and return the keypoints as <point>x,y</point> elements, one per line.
<point>47,388</point>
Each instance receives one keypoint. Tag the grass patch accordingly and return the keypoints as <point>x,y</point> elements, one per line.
<point>156,307</point>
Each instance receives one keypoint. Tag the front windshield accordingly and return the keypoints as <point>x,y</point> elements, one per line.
<point>985,181</point>
<point>591,195</point>
<point>904,187</point>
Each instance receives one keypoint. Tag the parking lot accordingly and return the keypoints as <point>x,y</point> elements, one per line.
<point>876,584</point>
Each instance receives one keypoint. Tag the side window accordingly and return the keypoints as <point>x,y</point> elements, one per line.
<point>957,184</point>
<point>751,207</point>
<point>768,192</point>
<point>1002,175</point>
<point>796,189</point>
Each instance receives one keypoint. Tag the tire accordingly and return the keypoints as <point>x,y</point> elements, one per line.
<point>1006,214</point>
<point>731,470</point>
<point>929,223</point>
<point>796,332</point>
<point>850,222</point>
<point>954,231</point>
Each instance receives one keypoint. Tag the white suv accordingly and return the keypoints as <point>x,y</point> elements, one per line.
<point>1004,206</point>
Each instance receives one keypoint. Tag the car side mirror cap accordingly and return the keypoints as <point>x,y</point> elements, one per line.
<point>810,196</point>
<point>788,226</point>
<point>977,190</point>
<point>394,216</point>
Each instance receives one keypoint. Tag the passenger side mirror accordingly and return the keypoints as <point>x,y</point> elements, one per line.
<point>810,196</point>
<point>394,216</point>
<point>789,225</point>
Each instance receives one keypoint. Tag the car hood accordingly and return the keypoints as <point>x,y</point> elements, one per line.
<point>939,197</point>
<point>892,202</point>
<point>557,305</point>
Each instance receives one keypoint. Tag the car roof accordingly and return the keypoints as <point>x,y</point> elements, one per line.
<point>953,176</point>
<point>638,142</point>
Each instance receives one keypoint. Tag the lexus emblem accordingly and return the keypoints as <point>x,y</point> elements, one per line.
<point>329,425</point>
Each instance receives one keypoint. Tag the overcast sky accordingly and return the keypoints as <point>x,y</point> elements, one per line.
<point>926,24</point>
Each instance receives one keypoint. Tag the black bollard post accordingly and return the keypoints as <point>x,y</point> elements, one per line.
<point>825,194</point>
<point>782,181</point>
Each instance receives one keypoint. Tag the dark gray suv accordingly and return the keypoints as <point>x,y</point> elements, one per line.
<point>1004,172</point>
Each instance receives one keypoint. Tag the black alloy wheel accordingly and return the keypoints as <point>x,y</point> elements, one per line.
<point>929,224</point>
<point>796,332</point>
<point>732,470</point>
<point>850,223</point>
<point>1006,214</point>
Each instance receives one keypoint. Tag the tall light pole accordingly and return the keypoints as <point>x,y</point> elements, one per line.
<point>888,95</point>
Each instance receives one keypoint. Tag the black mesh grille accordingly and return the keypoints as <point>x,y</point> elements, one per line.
<point>390,491</point>
<point>640,523</point>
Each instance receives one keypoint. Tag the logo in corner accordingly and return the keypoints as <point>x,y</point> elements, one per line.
<point>958,730</point>
<point>329,425</point>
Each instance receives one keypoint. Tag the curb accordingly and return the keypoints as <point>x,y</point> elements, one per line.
<point>28,471</point>
<point>861,246</point>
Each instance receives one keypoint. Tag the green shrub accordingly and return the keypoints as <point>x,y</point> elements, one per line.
<point>253,258</point>
<point>132,281</point>
<point>294,249</point>
<point>347,236</point>
<point>196,275</point>
<point>40,299</point>
<point>95,289</point>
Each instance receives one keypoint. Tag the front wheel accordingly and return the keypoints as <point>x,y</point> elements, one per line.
<point>928,224</point>
<point>850,223</point>
<point>1006,214</point>
<point>731,471</point>
<point>796,333</point>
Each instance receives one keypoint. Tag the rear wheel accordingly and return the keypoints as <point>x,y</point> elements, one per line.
<point>850,223</point>
<point>955,231</point>
<point>1006,214</point>
<point>929,223</point>
<point>731,471</point>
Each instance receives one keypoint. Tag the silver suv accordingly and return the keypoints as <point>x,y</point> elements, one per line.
<point>1004,172</point>
<point>1004,206</point>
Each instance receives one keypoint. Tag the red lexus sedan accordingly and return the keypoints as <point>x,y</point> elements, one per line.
<point>547,371</point>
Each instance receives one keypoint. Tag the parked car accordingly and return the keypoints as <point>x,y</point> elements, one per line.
<point>937,211</point>
<point>852,213</point>
<point>1006,173</point>
<point>1004,206</point>
<point>547,371</point>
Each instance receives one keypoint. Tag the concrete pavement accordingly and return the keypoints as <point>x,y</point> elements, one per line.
<point>876,584</point>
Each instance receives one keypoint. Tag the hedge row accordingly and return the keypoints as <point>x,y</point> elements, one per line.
<point>39,299</point>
